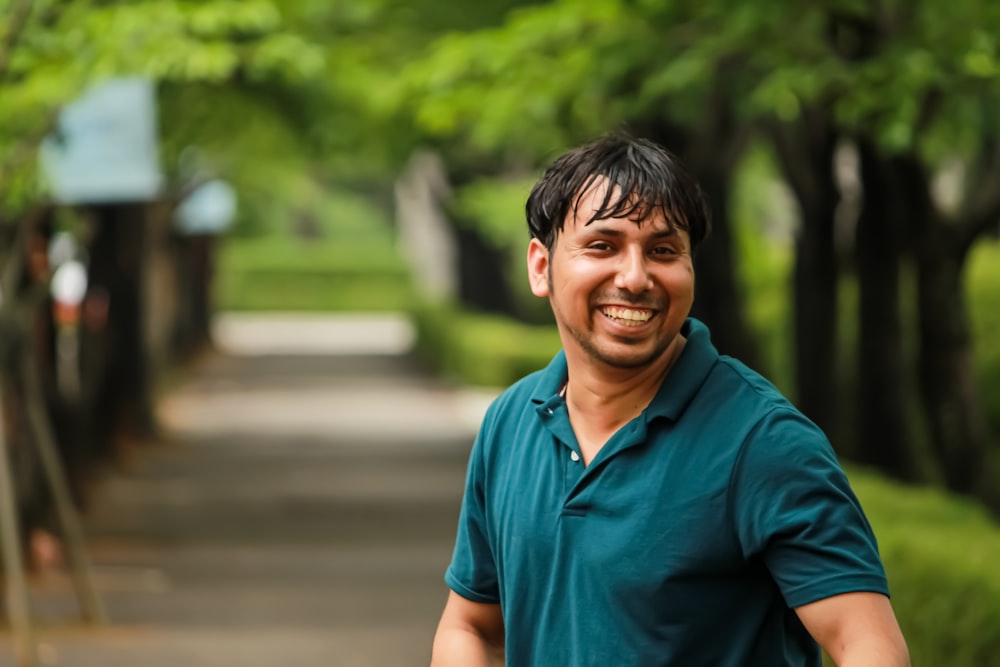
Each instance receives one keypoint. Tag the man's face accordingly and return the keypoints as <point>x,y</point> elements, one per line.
<point>620,291</point>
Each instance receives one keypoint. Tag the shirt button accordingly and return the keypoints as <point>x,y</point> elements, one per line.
<point>574,456</point>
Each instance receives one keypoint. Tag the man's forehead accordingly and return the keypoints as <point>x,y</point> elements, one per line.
<point>601,195</point>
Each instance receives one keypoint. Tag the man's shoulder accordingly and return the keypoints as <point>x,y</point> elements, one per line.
<point>746,383</point>
<point>753,407</point>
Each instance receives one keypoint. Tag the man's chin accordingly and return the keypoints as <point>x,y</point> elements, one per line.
<point>628,359</point>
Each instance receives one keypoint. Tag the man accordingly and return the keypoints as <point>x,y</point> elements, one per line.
<point>644,501</point>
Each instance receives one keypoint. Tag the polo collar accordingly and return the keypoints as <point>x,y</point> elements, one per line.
<point>688,374</point>
<point>551,382</point>
<point>673,396</point>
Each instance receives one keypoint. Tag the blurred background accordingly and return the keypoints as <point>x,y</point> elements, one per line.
<point>299,225</point>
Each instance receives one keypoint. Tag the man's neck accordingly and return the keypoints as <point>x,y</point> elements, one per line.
<point>602,399</point>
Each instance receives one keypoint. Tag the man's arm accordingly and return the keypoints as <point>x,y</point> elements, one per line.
<point>470,634</point>
<point>856,630</point>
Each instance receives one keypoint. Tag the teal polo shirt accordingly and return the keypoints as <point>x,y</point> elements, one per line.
<point>688,539</point>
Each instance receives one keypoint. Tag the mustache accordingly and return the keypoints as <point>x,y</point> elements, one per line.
<point>641,300</point>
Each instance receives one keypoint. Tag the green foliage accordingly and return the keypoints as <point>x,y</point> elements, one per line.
<point>496,207</point>
<point>983,289</point>
<point>531,86</point>
<point>52,51</point>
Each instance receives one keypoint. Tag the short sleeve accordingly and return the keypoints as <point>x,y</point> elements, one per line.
<point>793,507</point>
<point>472,573</point>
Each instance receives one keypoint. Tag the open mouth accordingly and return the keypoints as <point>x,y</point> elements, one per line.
<point>629,317</point>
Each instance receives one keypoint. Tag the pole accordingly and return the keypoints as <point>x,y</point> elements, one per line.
<point>10,539</point>
<point>69,521</point>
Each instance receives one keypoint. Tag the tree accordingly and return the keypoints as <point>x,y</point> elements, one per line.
<point>560,73</point>
<point>909,86</point>
<point>919,95</point>
<point>52,51</point>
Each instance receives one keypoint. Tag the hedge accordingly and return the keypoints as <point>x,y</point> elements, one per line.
<point>285,274</point>
<point>941,554</point>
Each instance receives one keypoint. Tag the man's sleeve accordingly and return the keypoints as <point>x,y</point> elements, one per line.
<point>472,573</point>
<point>793,506</point>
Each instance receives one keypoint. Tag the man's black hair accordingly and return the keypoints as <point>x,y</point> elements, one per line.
<point>648,176</point>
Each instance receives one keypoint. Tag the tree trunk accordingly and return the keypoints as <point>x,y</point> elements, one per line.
<point>482,271</point>
<point>947,381</point>
<point>883,437</point>
<point>718,301</point>
<point>815,315</point>
<point>957,424</point>
<point>122,400</point>
<point>806,153</point>
<point>193,258</point>
<point>711,152</point>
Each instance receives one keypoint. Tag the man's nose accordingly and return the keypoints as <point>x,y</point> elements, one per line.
<point>633,274</point>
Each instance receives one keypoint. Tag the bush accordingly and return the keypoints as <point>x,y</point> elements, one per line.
<point>940,554</point>
<point>480,349</point>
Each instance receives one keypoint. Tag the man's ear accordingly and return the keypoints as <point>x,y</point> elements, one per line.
<point>538,268</point>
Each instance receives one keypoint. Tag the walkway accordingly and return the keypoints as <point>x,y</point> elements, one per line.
<point>301,514</point>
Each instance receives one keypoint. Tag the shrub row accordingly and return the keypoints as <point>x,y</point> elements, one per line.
<point>330,291</point>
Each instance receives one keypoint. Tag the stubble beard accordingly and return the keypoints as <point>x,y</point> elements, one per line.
<point>586,340</point>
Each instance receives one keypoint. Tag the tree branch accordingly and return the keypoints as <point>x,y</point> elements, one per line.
<point>794,164</point>
<point>26,150</point>
<point>930,104</point>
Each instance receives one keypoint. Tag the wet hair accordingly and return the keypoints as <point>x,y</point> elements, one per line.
<point>649,179</point>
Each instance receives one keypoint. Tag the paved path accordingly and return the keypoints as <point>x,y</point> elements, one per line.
<point>300,514</point>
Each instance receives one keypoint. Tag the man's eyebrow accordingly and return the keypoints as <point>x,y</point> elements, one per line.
<point>614,231</point>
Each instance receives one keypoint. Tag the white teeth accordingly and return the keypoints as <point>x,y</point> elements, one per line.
<point>628,314</point>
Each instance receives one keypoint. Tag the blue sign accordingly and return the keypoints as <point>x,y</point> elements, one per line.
<point>105,146</point>
<point>209,209</point>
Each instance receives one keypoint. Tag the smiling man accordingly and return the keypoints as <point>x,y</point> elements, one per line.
<point>644,501</point>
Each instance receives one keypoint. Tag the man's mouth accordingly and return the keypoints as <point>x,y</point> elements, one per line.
<point>630,317</point>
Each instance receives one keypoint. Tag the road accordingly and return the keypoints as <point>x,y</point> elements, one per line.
<point>300,510</point>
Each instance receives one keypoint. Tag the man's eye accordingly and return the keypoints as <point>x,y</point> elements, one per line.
<point>664,250</point>
<point>600,245</point>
